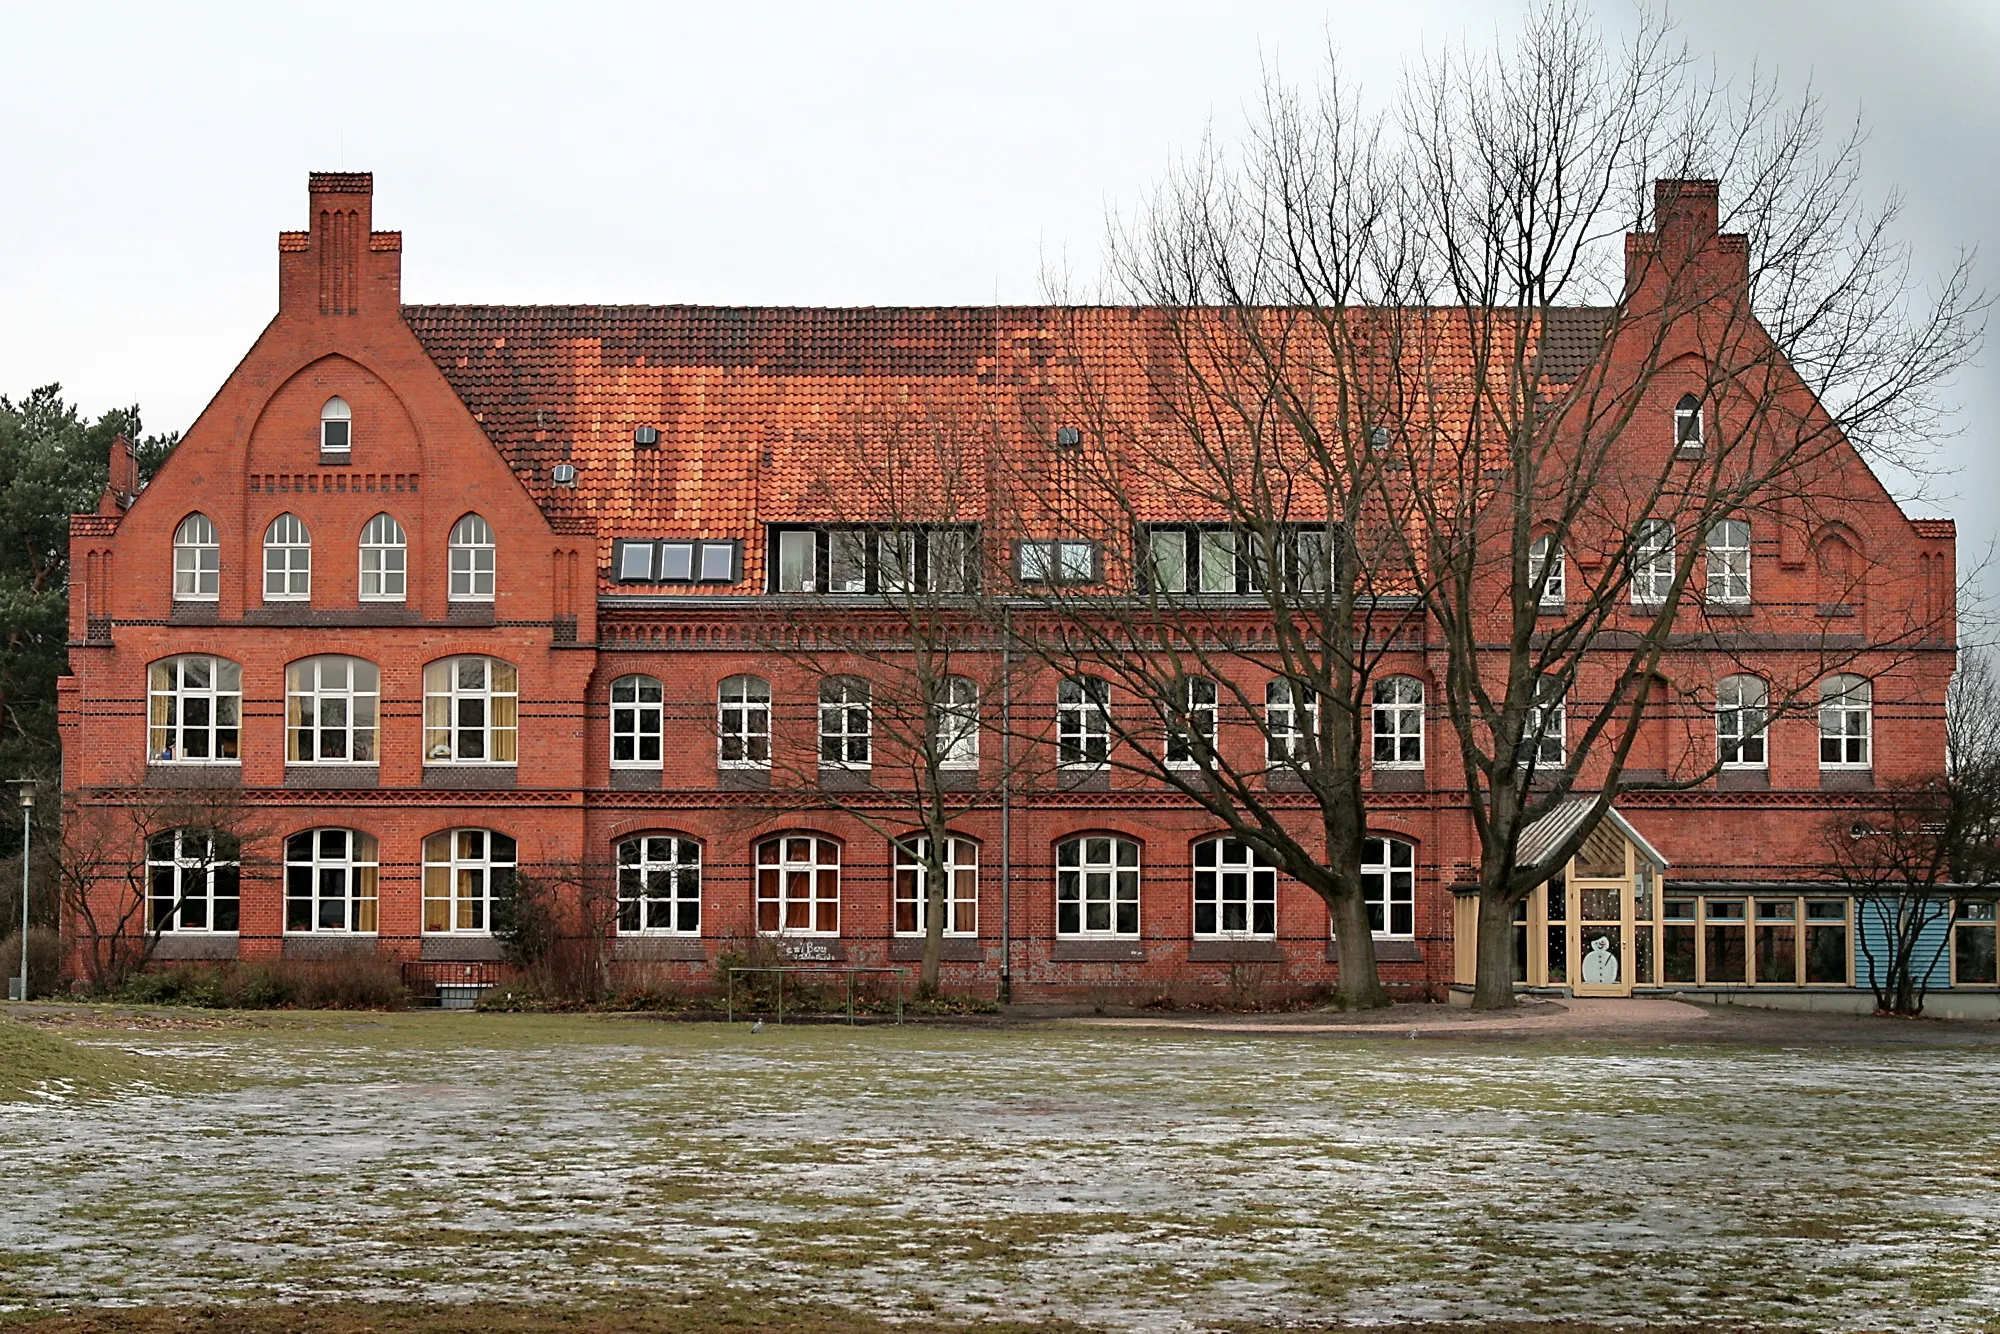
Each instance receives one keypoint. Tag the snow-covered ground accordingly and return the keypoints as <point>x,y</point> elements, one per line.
<point>1124,1177</point>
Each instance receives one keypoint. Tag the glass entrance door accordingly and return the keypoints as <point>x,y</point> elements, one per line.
<point>1603,937</point>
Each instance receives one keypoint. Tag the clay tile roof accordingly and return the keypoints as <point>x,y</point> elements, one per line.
<point>1945,528</point>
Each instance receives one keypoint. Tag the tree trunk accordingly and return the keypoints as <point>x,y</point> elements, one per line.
<point>934,911</point>
<point>1493,977</point>
<point>1358,987</point>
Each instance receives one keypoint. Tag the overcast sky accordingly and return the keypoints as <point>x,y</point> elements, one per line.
<point>808,154</point>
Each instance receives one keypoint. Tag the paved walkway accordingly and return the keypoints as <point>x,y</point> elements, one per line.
<point>1648,1018</point>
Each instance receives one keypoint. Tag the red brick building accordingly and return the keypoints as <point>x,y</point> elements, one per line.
<point>436,592</point>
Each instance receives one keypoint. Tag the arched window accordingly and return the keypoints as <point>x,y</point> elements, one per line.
<point>197,560</point>
<point>287,560</point>
<point>471,711</point>
<point>635,722</point>
<point>1191,723</point>
<point>798,886</point>
<point>384,560</point>
<point>845,723</point>
<point>1688,432</point>
<point>330,711</point>
<point>1389,886</point>
<point>1291,721</point>
<point>1728,548</point>
<point>1742,712</point>
<point>961,887</point>
<point>336,427</point>
<point>464,871</point>
<point>958,723</point>
<point>1083,723</point>
<point>1235,890</point>
<point>193,881</point>
<point>471,560</point>
<point>330,881</point>
<point>194,710</point>
<point>1545,556</point>
<point>1846,718</point>
<point>1097,886</point>
<point>1399,723</point>
<point>659,886</point>
<point>743,723</point>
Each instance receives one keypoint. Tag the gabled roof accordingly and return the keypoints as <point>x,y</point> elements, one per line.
<point>1542,837</point>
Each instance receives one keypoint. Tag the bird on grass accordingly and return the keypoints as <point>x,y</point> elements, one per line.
<point>757,1027</point>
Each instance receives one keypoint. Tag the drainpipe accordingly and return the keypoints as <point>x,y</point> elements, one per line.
<point>1006,805</point>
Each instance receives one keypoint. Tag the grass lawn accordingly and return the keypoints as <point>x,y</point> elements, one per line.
<point>381,1171</point>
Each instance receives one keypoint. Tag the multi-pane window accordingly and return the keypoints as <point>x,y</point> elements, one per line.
<point>1728,549</point>
<point>384,560</point>
<point>884,559</point>
<point>464,871</point>
<point>743,723</point>
<point>676,561</point>
<point>194,710</point>
<point>336,427</point>
<point>1544,738</point>
<point>798,886</point>
<point>330,711</point>
<point>471,711</point>
<point>635,722</point>
<point>1742,714</point>
<point>1083,723</point>
<point>330,881</point>
<point>659,886</point>
<point>1191,720</point>
<point>960,899</point>
<point>1097,886</point>
<point>1653,563</point>
<point>1184,558</point>
<point>193,881</point>
<point>1688,432</point>
<point>287,560</point>
<point>1399,723</point>
<point>1734,942</point>
<point>1846,713</point>
<point>1291,721</point>
<point>472,560</point>
<point>845,723</point>
<point>957,720</point>
<point>1548,568</point>
<point>1057,561</point>
<point>1389,886</point>
<point>1973,960</point>
<point>1235,890</point>
<point>197,560</point>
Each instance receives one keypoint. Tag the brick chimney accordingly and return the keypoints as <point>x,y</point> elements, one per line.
<point>1686,246</point>
<point>121,478</point>
<point>341,266</point>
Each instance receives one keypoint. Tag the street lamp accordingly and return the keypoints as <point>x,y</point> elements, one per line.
<point>17,988</point>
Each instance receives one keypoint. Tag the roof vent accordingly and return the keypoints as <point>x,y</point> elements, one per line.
<point>563,474</point>
<point>1068,437</point>
<point>1379,436</point>
<point>646,437</point>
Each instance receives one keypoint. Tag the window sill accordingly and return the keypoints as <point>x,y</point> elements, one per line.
<point>1743,780</point>
<point>469,613</point>
<point>743,780</point>
<point>1399,780</point>
<point>328,944</point>
<point>1552,609</point>
<point>846,780</point>
<point>1726,608</point>
<point>191,612</point>
<point>635,780</point>
<point>1388,949</point>
<point>453,947</point>
<point>1097,950</point>
<point>195,945</point>
<point>664,948</point>
<point>957,949</point>
<point>333,775</point>
<point>1084,780</point>
<point>223,774</point>
<point>1235,949</point>
<point>469,776</point>
<point>336,458</point>
<point>1860,779</point>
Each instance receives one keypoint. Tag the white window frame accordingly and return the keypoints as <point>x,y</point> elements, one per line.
<point>1232,881</point>
<point>319,702</point>
<point>1290,730</point>
<point>474,563</point>
<point>464,870</point>
<point>218,893</point>
<point>447,695</point>
<point>336,413</point>
<point>1690,431</point>
<point>1545,737</point>
<point>197,560</point>
<point>171,697</point>
<point>332,869</point>
<point>659,885</point>
<point>1083,723</point>
<point>912,898</point>
<point>1653,557</point>
<point>1728,548</point>
<point>743,722</point>
<point>1389,887</point>
<point>846,723</point>
<point>287,560</point>
<point>1741,701</point>
<point>1847,722</point>
<point>638,708</point>
<point>1555,593</point>
<point>385,560</point>
<point>1397,714</point>
<point>1200,705</point>
<point>1098,870</point>
<point>957,718</point>
<point>1063,560</point>
<point>781,861</point>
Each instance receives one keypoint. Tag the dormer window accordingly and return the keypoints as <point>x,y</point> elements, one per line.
<point>1688,438</point>
<point>336,428</point>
